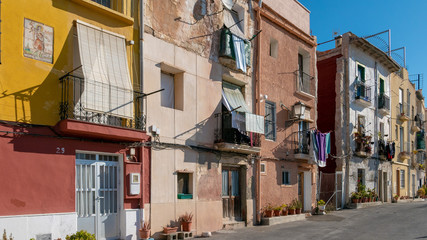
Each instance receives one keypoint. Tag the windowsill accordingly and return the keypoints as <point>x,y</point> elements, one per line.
<point>285,185</point>
<point>301,93</point>
<point>105,10</point>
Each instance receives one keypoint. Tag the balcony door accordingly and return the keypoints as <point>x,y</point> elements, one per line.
<point>231,194</point>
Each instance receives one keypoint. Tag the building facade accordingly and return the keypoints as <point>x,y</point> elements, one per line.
<point>403,134</point>
<point>206,137</point>
<point>355,80</point>
<point>71,126</point>
<point>286,80</point>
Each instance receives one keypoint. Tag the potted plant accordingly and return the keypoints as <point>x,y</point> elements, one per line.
<point>186,220</point>
<point>355,197</point>
<point>396,197</point>
<point>321,205</point>
<point>298,206</point>
<point>277,211</point>
<point>144,231</point>
<point>292,208</point>
<point>284,210</point>
<point>268,210</point>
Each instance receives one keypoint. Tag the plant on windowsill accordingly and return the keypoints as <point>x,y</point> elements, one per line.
<point>186,221</point>
<point>268,210</point>
<point>144,231</point>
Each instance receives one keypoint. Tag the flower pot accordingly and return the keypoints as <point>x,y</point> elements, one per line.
<point>167,230</point>
<point>285,212</point>
<point>298,211</point>
<point>186,226</point>
<point>322,208</point>
<point>359,200</point>
<point>355,200</point>
<point>291,211</point>
<point>144,234</point>
<point>277,213</point>
<point>268,213</point>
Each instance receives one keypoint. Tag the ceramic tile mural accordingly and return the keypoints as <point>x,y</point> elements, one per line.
<point>38,41</point>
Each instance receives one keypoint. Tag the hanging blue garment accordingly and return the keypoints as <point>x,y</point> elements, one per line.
<point>328,143</point>
<point>313,146</point>
<point>321,145</point>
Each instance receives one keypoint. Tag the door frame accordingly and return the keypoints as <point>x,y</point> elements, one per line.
<point>242,196</point>
<point>120,183</point>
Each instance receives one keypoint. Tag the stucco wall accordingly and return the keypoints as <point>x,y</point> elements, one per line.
<point>294,11</point>
<point>31,89</point>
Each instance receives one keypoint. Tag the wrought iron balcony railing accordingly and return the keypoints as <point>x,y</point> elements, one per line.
<point>402,110</point>
<point>384,102</point>
<point>300,142</point>
<point>226,133</point>
<point>363,92</point>
<point>304,82</point>
<point>73,107</point>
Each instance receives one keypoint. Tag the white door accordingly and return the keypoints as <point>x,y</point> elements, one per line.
<point>307,191</point>
<point>97,182</point>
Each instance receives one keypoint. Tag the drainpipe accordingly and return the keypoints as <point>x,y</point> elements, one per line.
<point>258,110</point>
<point>376,124</point>
<point>141,89</point>
<point>347,127</point>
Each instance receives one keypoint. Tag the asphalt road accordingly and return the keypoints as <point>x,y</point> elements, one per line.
<point>388,221</point>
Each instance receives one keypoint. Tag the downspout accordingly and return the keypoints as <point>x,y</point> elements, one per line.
<point>376,125</point>
<point>141,89</point>
<point>347,122</point>
<point>258,111</point>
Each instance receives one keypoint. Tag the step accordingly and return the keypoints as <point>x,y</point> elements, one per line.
<point>283,219</point>
<point>231,225</point>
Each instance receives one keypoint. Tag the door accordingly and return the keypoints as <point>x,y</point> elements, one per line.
<point>338,191</point>
<point>301,187</point>
<point>398,182</point>
<point>231,197</point>
<point>380,185</point>
<point>413,185</point>
<point>385,184</point>
<point>97,182</point>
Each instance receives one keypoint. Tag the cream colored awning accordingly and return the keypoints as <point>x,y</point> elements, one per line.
<point>107,85</point>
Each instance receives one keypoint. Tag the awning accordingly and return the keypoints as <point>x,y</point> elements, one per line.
<point>233,100</point>
<point>230,22</point>
<point>107,85</point>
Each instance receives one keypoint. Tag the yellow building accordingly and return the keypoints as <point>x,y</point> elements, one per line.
<point>403,132</point>
<point>71,126</point>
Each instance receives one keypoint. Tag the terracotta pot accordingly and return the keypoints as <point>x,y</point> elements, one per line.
<point>285,212</point>
<point>298,210</point>
<point>268,213</point>
<point>291,211</point>
<point>167,230</point>
<point>186,226</point>
<point>369,200</point>
<point>277,213</point>
<point>144,234</point>
<point>359,200</point>
<point>355,200</point>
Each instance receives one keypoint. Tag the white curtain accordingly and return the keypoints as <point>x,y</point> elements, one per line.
<point>167,95</point>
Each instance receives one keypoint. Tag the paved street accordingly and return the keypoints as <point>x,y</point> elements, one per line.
<point>389,221</point>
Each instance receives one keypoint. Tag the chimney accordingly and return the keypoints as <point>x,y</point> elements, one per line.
<point>338,41</point>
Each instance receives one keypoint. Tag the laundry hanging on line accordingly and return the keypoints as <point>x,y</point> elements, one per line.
<point>320,146</point>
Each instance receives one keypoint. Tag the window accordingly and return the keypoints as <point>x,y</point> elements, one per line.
<point>361,124</point>
<point>274,47</point>
<point>105,3</point>
<point>402,149</point>
<point>361,176</point>
<point>382,87</point>
<point>402,178</point>
<point>270,120</point>
<point>263,170</point>
<point>397,132</point>
<point>172,96</point>
<point>400,96</point>
<point>381,130</point>
<point>286,179</point>
<point>184,185</point>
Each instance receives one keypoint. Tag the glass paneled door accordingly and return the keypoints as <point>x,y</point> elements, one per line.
<point>231,197</point>
<point>97,181</point>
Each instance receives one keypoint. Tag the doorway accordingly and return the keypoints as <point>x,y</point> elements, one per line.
<point>398,182</point>
<point>301,187</point>
<point>97,188</point>
<point>385,184</point>
<point>231,195</point>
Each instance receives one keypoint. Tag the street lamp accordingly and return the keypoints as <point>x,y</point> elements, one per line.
<point>299,109</point>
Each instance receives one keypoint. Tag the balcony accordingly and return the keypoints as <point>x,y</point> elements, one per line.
<point>363,94</point>
<point>363,145</point>
<point>88,102</point>
<point>228,138</point>
<point>382,153</point>
<point>402,110</point>
<point>405,151</point>
<point>300,145</point>
<point>384,104</point>
<point>304,84</point>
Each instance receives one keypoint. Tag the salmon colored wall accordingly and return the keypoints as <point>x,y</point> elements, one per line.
<point>35,179</point>
<point>30,88</point>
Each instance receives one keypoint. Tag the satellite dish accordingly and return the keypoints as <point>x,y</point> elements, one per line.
<point>228,4</point>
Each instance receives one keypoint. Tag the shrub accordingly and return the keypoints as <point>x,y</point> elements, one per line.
<point>421,192</point>
<point>81,235</point>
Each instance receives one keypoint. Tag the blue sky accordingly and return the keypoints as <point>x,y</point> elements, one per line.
<point>407,21</point>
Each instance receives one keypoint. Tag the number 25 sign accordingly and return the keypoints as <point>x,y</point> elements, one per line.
<point>60,150</point>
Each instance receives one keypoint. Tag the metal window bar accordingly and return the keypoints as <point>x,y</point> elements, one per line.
<point>384,102</point>
<point>225,133</point>
<point>363,92</point>
<point>300,142</point>
<point>303,82</point>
